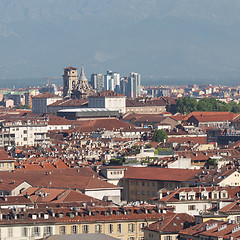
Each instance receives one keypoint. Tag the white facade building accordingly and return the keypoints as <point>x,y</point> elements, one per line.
<point>41,101</point>
<point>20,133</point>
<point>109,100</point>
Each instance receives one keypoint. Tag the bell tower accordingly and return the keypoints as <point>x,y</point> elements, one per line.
<point>70,80</point>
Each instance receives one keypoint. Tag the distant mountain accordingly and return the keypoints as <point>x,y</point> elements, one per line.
<point>161,39</point>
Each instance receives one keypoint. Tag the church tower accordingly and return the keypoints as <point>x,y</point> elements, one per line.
<point>70,80</point>
<point>82,89</point>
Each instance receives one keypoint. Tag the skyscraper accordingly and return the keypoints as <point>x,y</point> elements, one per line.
<point>97,81</point>
<point>112,81</point>
<point>133,85</point>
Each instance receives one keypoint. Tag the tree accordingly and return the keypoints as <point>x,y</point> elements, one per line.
<point>148,145</point>
<point>22,107</point>
<point>159,136</point>
<point>115,162</point>
<point>186,105</point>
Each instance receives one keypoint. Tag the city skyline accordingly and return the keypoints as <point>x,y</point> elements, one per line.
<point>164,41</point>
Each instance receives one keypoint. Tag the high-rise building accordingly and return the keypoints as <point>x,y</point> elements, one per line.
<point>112,81</point>
<point>134,85</point>
<point>97,81</point>
<point>70,79</point>
<point>123,85</point>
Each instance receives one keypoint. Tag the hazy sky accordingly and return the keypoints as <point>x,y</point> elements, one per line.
<point>164,40</point>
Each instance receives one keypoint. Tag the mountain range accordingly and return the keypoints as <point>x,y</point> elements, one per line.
<point>175,41</point>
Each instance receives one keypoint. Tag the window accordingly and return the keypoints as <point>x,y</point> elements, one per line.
<point>48,231</point>
<point>85,229</point>
<point>9,165</point>
<point>74,229</point>
<point>142,192</point>
<point>24,232</point>
<point>36,231</point>
<point>25,139</point>
<point>153,184</point>
<point>238,219</point>
<point>25,131</point>
<point>62,230</point>
<point>1,165</point>
<point>168,238</point>
<point>143,183</point>
<point>141,225</point>
<point>98,228</point>
<point>119,228</point>
<point>131,238</point>
<point>191,207</point>
<point>110,228</point>
<point>10,232</point>
<point>131,227</point>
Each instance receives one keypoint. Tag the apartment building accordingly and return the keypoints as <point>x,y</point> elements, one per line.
<point>142,184</point>
<point>21,132</point>
<point>123,223</point>
<point>40,102</point>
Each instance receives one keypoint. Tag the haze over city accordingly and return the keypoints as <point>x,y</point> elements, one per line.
<point>167,41</point>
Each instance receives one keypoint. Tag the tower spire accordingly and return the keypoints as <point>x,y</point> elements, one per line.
<point>82,75</point>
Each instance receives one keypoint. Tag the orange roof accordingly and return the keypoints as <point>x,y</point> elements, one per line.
<point>212,116</point>
<point>46,95</point>
<point>160,174</point>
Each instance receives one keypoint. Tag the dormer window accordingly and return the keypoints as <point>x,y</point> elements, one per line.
<point>215,195</point>
<point>191,195</point>
<point>224,194</point>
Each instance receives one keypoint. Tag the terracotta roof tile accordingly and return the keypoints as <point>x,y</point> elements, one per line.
<point>160,174</point>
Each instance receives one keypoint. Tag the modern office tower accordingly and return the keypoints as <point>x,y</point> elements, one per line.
<point>112,81</point>
<point>97,81</point>
<point>70,79</point>
<point>134,85</point>
<point>123,85</point>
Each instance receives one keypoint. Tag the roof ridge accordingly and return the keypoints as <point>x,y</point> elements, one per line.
<point>170,220</point>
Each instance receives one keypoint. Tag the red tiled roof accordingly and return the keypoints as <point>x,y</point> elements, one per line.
<point>188,139</point>
<point>108,124</point>
<point>172,223</point>
<point>71,68</point>
<point>4,156</point>
<point>57,195</point>
<point>69,102</point>
<point>81,178</point>
<point>46,95</point>
<point>160,174</point>
<point>139,102</point>
<point>108,93</point>
<point>212,116</point>
<point>179,117</point>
